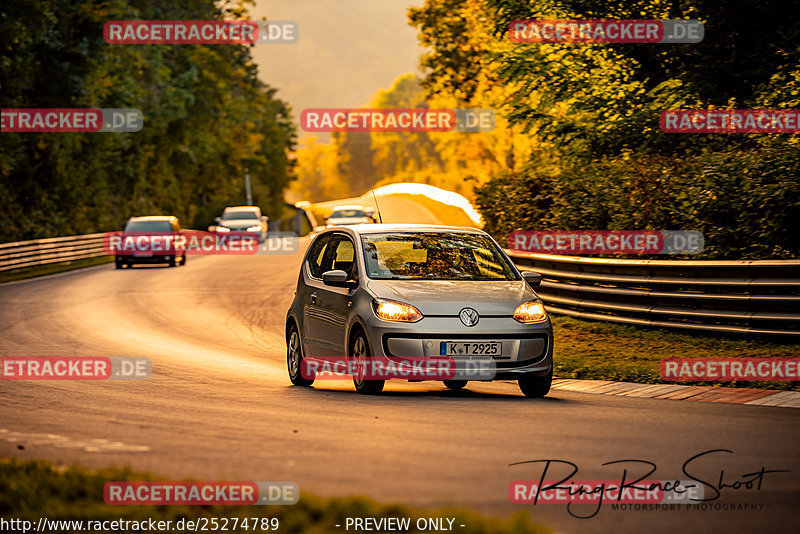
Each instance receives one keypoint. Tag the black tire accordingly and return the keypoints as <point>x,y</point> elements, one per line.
<point>118,263</point>
<point>536,386</point>
<point>172,262</point>
<point>294,358</point>
<point>360,353</point>
<point>183,260</point>
<point>455,384</point>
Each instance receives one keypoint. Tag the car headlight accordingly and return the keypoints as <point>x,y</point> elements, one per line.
<point>255,228</point>
<point>399,312</point>
<point>530,312</point>
<point>223,229</point>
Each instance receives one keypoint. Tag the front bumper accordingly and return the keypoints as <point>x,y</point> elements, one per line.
<point>261,234</point>
<point>156,258</point>
<point>526,349</point>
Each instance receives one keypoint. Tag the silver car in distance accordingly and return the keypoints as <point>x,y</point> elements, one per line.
<point>384,291</point>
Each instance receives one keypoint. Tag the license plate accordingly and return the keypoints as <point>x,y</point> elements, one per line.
<point>470,348</point>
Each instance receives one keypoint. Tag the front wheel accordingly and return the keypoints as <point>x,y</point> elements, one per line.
<point>359,351</point>
<point>536,386</point>
<point>294,359</point>
<point>455,384</point>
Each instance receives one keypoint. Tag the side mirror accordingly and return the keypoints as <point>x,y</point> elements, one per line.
<point>217,219</point>
<point>264,218</point>
<point>335,278</point>
<point>533,279</point>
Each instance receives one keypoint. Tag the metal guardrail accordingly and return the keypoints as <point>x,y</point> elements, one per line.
<point>24,254</point>
<point>750,297</point>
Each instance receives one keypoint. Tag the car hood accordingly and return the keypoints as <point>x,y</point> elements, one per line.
<point>349,220</point>
<point>239,224</point>
<point>448,297</point>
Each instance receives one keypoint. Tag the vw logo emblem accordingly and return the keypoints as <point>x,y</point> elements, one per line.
<point>469,317</point>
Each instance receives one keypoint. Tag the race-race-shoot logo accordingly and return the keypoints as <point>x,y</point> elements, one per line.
<point>607,241</point>
<point>108,120</point>
<point>705,477</point>
<point>730,121</point>
<point>200,32</point>
<point>605,31</point>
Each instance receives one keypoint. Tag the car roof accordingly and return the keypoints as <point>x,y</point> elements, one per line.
<point>384,228</point>
<point>153,218</point>
<point>242,208</point>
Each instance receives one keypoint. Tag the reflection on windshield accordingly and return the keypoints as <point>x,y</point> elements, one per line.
<point>341,214</point>
<point>148,226</point>
<point>239,215</point>
<point>434,256</point>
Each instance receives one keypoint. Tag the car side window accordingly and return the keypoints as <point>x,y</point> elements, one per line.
<point>341,255</point>
<point>316,256</point>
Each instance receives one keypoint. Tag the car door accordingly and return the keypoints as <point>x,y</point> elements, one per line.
<point>334,303</point>
<point>309,294</point>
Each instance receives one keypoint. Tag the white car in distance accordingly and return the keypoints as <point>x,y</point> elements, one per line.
<point>349,215</point>
<point>243,219</point>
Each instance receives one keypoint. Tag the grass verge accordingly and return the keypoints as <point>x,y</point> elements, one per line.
<point>53,268</point>
<point>608,351</point>
<point>34,489</point>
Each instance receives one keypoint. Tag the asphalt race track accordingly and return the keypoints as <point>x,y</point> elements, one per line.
<point>219,406</point>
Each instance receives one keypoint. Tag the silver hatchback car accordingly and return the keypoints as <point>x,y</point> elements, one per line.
<point>388,292</point>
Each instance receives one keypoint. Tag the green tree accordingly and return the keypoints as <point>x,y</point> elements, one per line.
<point>591,112</point>
<point>207,118</point>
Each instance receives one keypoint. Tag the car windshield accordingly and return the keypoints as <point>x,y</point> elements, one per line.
<point>239,215</point>
<point>434,256</point>
<point>347,214</point>
<point>148,226</point>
